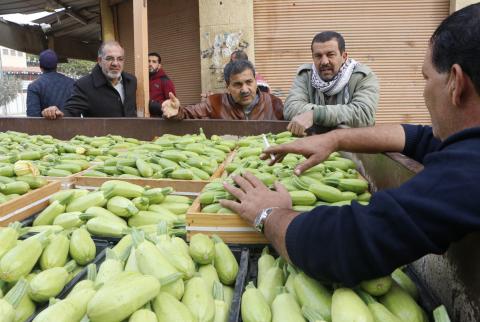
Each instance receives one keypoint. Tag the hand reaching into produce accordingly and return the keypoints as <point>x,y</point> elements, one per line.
<point>254,196</point>
<point>52,113</point>
<point>171,106</point>
<point>315,148</point>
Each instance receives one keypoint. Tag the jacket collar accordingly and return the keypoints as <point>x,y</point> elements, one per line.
<point>258,102</point>
<point>470,133</point>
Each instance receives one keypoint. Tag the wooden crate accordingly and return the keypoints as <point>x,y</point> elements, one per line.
<point>178,185</point>
<point>66,181</point>
<point>230,227</point>
<point>28,204</point>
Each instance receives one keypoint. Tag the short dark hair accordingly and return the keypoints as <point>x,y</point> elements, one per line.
<point>329,35</point>
<point>156,55</point>
<point>105,44</point>
<point>239,55</point>
<point>236,67</point>
<point>457,41</point>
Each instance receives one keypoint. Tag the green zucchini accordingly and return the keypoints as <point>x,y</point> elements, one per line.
<point>286,309</point>
<point>254,306</point>
<point>199,300</point>
<point>82,247</point>
<point>202,249</point>
<point>225,262</point>
<point>347,306</point>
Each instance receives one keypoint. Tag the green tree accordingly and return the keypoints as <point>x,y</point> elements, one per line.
<point>76,68</point>
<point>9,88</point>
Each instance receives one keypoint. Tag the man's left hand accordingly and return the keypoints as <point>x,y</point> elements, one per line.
<point>300,123</point>
<point>253,196</point>
<point>52,113</point>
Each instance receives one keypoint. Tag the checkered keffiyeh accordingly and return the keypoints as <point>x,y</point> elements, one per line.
<point>338,82</point>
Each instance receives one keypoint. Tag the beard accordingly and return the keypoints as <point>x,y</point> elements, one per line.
<point>110,74</point>
<point>113,74</point>
<point>330,72</point>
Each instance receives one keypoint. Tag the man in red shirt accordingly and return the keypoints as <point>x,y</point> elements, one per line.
<point>160,84</point>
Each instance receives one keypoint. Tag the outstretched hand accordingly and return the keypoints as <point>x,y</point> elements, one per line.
<point>315,148</point>
<point>171,106</point>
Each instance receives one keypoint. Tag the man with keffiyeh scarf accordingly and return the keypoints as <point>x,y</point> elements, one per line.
<point>333,90</point>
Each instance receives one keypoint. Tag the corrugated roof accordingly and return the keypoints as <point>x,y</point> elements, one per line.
<point>79,19</point>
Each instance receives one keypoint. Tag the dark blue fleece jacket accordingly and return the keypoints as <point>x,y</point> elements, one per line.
<point>424,215</point>
<point>50,89</point>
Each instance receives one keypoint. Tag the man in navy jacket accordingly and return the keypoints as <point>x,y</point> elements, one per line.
<point>47,95</point>
<point>424,215</point>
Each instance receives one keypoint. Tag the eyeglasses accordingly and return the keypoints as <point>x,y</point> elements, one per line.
<point>110,59</point>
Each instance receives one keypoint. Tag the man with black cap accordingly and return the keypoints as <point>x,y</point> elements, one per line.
<point>47,95</point>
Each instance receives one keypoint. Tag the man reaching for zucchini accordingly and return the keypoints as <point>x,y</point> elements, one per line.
<point>425,214</point>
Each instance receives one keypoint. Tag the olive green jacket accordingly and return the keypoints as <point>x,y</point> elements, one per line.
<point>356,103</point>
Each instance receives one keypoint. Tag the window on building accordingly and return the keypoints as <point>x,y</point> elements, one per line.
<point>5,51</point>
<point>19,53</point>
<point>12,52</point>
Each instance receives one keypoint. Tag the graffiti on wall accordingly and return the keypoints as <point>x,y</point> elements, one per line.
<point>221,46</point>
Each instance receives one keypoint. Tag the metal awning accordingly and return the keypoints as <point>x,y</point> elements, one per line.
<point>74,27</point>
<point>78,19</point>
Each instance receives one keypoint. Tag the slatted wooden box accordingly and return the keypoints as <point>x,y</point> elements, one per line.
<point>26,205</point>
<point>178,185</point>
<point>230,227</point>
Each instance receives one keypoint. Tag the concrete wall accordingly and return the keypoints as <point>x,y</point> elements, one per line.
<point>459,4</point>
<point>225,26</point>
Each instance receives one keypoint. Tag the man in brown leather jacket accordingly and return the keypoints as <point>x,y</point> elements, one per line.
<point>243,101</point>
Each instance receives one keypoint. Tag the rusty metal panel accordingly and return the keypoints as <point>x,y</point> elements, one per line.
<point>140,128</point>
<point>391,37</point>
<point>385,171</point>
<point>454,278</point>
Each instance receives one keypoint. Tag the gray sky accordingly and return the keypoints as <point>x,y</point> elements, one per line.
<point>22,19</point>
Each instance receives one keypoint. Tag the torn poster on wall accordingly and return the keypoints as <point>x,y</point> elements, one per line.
<point>221,46</point>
